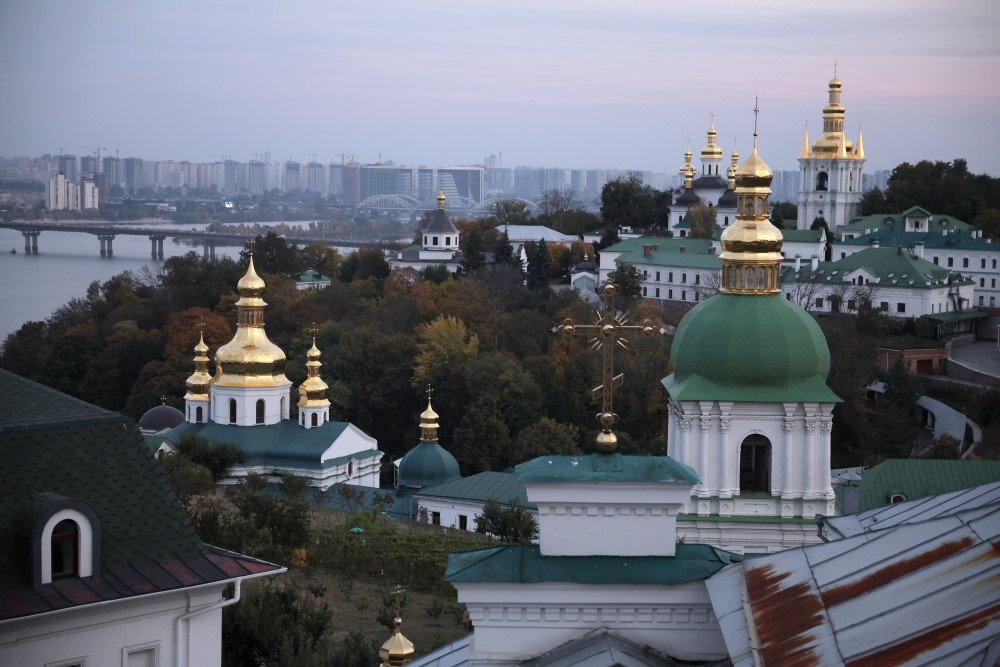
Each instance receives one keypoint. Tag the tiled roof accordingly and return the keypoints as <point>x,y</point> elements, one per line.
<point>50,444</point>
<point>524,564</point>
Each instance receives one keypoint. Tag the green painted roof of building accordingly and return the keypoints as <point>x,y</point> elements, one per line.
<point>671,258</point>
<point>894,267</point>
<point>311,276</point>
<point>604,468</point>
<point>736,347</point>
<point>897,221</point>
<point>483,486</point>
<point>957,315</point>
<point>917,478</point>
<point>803,235</point>
<point>285,444</point>
<point>524,564</point>
<point>931,241</point>
<point>667,244</point>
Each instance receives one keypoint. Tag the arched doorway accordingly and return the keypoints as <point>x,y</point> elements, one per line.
<point>755,464</point>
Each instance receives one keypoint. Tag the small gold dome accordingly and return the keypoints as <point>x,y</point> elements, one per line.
<point>441,200</point>
<point>429,421</point>
<point>197,384</point>
<point>711,150</point>
<point>250,285</point>
<point>313,392</point>
<point>754,173</point>
<point>396,650</point>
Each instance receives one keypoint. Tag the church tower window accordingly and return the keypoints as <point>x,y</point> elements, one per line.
<point>821,180</point>
<point>755,464</point>
<point>315,419</point>
<point>198,415</point>
<point>260,410</point>
<point>232,410</point>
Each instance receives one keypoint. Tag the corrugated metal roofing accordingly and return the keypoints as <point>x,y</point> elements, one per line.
<point>917,593</point>
<point>483,486</point>
<point>916,478</point>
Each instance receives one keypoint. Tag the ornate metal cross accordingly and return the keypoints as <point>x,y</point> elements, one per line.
<point>610,330</point>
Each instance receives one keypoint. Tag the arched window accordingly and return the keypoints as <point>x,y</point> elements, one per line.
<point>821,180</point>
<point>198,415</point>
<point>260,410</point>
<point>232,410</point>
<point>755,464</point>
<point>350,469</point>
<point>284,414</point>
<point>315,419</point>
<point>65,550</point>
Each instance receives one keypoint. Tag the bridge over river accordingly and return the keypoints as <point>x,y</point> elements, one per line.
<point>106,234</point>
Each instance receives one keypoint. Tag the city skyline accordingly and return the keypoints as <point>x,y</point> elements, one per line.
<point>578,85</point>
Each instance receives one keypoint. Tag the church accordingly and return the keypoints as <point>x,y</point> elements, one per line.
<point>248,402</point>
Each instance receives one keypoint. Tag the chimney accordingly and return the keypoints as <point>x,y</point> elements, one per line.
<point>814,262</point>
<point>798,263</point>
<point>711,251</point>
<point>646,249</point>
<point>875,243</point>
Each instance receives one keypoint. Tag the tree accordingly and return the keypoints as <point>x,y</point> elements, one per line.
<point>626,202</point>
<point>187,478</point>
<point>321,258</point>
<point>503,251</point>
<point>217,457</point>
<point>943,447</point>
<point>546,436</point>
<point>273,254</point>
<point>510,212</point>
<point>442,344</point>
<point>539,268</point>
<point>629,281</point>
<point>511,523</point>
<point>703,221</point>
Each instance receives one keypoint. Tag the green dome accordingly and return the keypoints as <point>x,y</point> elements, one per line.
<point>736,347</point>
<point>426,464</point>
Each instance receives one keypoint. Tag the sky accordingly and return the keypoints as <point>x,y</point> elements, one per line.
<point>621,84</point>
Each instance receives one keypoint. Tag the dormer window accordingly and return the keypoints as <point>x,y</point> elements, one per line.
<point>65,545</point>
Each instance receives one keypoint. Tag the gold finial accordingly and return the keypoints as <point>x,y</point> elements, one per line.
<point>440,199</point>
<point>834,68</point>
<point>756,113</point>
<point>429,420</point>
<point>610,330</point>
<point>397,650</point>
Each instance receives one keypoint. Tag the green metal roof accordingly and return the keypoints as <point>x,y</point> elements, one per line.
<point>955,316</point>
<point>483,486</point>
<point>310,276</point>
<point>524,564</point>
<point>894,267</point>
<point>426,464</point>
<point>285,444</point>
<point>916,478</point>
<point>897,221</point>
<point>931,241</point>
<point>671,258</point>
<point>803,235</point>
<point>736,347</point>
<point>604,468</point>
<point>669,244</point>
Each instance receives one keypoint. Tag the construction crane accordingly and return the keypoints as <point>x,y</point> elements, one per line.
<point>314,155</point>
<point>345,156</point>
<point>97,150</point>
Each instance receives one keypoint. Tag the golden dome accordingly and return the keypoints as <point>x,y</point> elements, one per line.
<point>313,392</point>
<point>250,359</point>
<point>711,150</point>
<point>441,199</point>
<point>397,650</point>
<point>197,384</point>
<point>429,421</point>
<point>751,246</point>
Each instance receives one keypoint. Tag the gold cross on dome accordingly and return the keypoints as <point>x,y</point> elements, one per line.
<point>398,592</point>
<point>430,392</point>
<point>610,330</point>
<point>251,243</point>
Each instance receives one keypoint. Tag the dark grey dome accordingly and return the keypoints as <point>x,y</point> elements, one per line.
<point>160,418</point>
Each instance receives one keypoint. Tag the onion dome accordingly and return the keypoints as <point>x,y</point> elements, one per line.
<point>161,418</point>
<point>833,142</point>
<point>396,650</point>
<point>197,384</point>
<point>313,392</point>
<point>428,463</point>
<point>586,266</point>
<point>712,150</point>
<point>250,359</point>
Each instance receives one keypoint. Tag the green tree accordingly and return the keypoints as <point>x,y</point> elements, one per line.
<point>273,254</point>
<point>546,436</point>
<point>629,281</point>
<point>511,523</point>
<point>539,267</point>
<point>510,212</point>
<point>217,457</point>
<point>187,478</point>
<point>943,447</point>
<point>503,251</point>
<point>626,202</point>
<point>321,258</point>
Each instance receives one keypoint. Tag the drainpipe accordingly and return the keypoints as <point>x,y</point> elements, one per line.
<point>180,619</point>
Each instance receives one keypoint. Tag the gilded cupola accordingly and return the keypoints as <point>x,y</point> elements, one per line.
<point>733,167</point>
<point>833,142</point>
<point>751,247</point>
<point>313,392</point>
<point>397,649</point>
<point>197,384</point>
<point>712,150</point>
<point>687,169</point>
<point>429,422</point>
<point>250,359</point>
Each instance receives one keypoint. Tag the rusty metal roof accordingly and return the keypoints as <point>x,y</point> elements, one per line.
<point>920,592</point>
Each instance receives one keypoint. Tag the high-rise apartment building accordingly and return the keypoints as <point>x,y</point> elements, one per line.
<point>114,171</point>
<point>256,177</point>
<point>133,176</point>
<point>70,167</point>
<point>292,176</point>
<point>316,177</point>
<point>467,182</point>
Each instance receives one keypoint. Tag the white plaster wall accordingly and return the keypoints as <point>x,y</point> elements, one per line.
<point>450,510</point>
<point>515,622</point>
<point>99,633</point>
<point>246,404</point>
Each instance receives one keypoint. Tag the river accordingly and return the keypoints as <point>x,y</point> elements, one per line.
<point>35,285</point>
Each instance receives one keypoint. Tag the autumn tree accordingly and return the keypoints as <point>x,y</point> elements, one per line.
<point>703,221</point>
<point>442,344</point>
<point>321,258</point>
